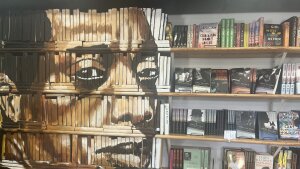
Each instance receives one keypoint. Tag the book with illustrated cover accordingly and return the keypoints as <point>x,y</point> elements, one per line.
<point>263,161</point>
<point>267,125</point>
<point>289,123</point>
<point>201,80</point>
<point>272,35</point>
<point>191,158</point>
<point>245,124</point>
<point>241,80</point>
<point>235,159</point>
<point>208,35</point>
<point>183,79</point>
<point>267,80</point>
<point>196,122</point>
<point>219,81</point>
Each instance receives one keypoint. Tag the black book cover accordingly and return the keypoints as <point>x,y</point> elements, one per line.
<point>267,80</point>
<point>272,35</point>
<point>220,122</point>
<point>245,124</point>
<point>230,123</point>
<point>196,122</point>
<point>183,79</point>
<point>184,36</point>
<point>289,123</point>
<point>201,80</point>
<point>267,125</point>
<point>171,121</point>
<point>175,37</point>
<point>241,80</point>
<point>219,81</point>
<point>242,35</point>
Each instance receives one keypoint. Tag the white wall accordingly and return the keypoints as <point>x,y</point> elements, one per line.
<point>231,62</point>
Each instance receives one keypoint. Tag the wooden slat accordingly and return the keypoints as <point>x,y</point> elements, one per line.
<point>221,139</point>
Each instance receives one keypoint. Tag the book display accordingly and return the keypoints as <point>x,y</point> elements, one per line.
<point>145,85</point>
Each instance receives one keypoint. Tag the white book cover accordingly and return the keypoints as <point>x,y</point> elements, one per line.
<point>157,23</point>
<point>263,160</point>
<point>289,72</point>
<point>283,88</point>
<point>297,78</point>
<point>162,118</point>
<point>167,118</point>
<point>287,88</point>
<point>157,153</point>
<point>284,71</point>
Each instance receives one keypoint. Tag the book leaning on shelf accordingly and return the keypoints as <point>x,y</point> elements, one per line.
<point>289,124</point>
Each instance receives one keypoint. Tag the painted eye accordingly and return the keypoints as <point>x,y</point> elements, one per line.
<point>90,73</point>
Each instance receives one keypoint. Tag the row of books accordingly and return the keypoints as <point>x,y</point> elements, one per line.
<point>228,33</point>
<point>237,80</point>
<point>124,24</point>
<point>185,157</point>
<point>244,124</point>
<point>189,157</point>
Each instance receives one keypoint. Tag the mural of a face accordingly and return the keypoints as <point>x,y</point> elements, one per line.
<point>85,73</point>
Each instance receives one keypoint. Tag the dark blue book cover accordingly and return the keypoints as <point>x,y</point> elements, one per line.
<point>267,125</point>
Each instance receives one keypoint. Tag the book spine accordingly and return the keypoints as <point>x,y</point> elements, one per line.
<point>231,32</point>
<point>261,32</point>
<point>293,78</point>
<point>223,33</point>
<point>162,118</point>
<point>297,78</point>
<point>285,33</point>
<point>242,27</point>
<point>298,33</point>
<point>238,35</point>
<point>167,118</point>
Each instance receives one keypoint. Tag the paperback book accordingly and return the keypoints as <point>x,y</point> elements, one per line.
<point>272,35</point>
<point>183,79</point>
<point>201,80</point>
<point>267,125</point>
<point>267,80</point>
<point>241,80</point>
<point>289,124</point>
<point>208,35</point>
<point>219,81</point>
<point>245,123</point>
<point>196,122</point>
<point>263,161</point>
<point>235,159</point>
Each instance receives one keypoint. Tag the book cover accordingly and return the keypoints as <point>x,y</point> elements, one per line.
<point>293,22</point>
<point>191,158</point>
<point>183,79</point>
<point>289,124</point>
<point>201,80</point>
<point>272,35</point>
<point>297,83</point>
<point>267,125</point>
<point>267,80</point>
<point>241,80</point>
<point>208,35</point>
<point>263,161</point>
<point>219,81</point>
<point>196,122</point>
<point>235,159</point>
<point>245,124</point>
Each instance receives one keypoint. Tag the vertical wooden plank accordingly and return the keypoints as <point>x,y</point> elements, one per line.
<point>78,112</point>
<point>94,24</point>
<point>99,111</point>
<point>68,24</point>
<point>93,107</point>
<point>84,153</point>
<point>103,23</point>
<point>74,151</point>
<point>63,106</point>
<point>63,147</point>
<point>68,110</point>
<point>73,110</point>
<point>81,26</point>
<point>59,112</point>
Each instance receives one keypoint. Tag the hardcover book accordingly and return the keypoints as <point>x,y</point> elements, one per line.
<point>201,80</point>
<point>196,122</point>
<point>289,123</point>
<point>245,124</point>
<point>208,35</point>
<point>235,159</point>
<point>183,79</point>
<point>219,81</point>
<point>267,80</point>
<point>267,125</point>
<point>272,35</point>
<point>241,80</point>
<point>263,161</point>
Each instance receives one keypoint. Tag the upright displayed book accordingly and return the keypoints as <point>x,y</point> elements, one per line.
<point>196,122</point>
<point>241,80</point>
<point>235,159</point>
<point>263,161</point>
<point>267,80</point>
<point>219,81</point>
<point>245,123</point>
<point>289,124</point>
<point>267,125</point>
<point>202,80</point>
<point>183,79</point>
<point>208,35</point>
<point>272,35</point>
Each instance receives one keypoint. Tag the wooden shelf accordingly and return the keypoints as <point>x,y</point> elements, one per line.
<point>220,95</point>
<point>239,140</point>
<point>234,52</point>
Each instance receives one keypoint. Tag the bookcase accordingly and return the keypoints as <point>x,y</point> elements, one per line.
<point>68,131</point>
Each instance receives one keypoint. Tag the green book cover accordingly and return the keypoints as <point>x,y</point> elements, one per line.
<point>206,159</point>
<point>227,32</point>
<point>231,32</point>
<point>223,37</point>
<point>191,158</point>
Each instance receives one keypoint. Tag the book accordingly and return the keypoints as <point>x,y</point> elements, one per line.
<point>201,80</point>
<point>235,159</point>
<point>272,35</point>
<point>245,124</point>
<point>219,81</point>
<point>263,161</point>
<point>196,122</point>
<point>267,125</point>
<point>240,80</point>
<point>191,158</point>
<point>267,80</point>
<point>208,34</point>
<point>293,22</point>
<point>183,79</point>
<point>289,124</point>
<point>297,82</point>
